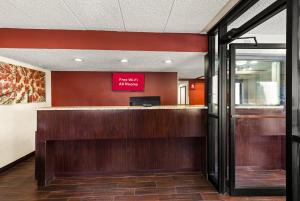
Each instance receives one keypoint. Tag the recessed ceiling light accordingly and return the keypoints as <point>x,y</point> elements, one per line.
<point>78,59</point>
<point>168,61</point>
<point>124,61</point>
<point>253,62</point>
<point>241,62</point>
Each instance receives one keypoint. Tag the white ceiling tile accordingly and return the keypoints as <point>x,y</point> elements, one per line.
<point>10,16</point>
<point>180,16</point>
<point>44,14</point>
<point>187,64</point>
<point>145,15</point>
<point>191,16</point>
<point>98,14</point>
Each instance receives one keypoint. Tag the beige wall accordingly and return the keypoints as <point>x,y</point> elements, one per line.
<point>18,123</point>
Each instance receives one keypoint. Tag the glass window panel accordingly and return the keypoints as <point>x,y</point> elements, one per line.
<point>260,122</point>
<point>215,77</point>
<point>260,81</point>
<point>271,31</point>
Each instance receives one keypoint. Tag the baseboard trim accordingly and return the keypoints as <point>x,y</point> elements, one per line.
<point>14,163</point>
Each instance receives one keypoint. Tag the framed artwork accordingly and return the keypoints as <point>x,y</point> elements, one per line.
<point>19,84</point>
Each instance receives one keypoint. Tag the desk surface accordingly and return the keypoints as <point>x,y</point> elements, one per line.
<point>126,107</point>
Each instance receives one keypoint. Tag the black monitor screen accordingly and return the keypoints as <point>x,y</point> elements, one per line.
<point>144,100</point>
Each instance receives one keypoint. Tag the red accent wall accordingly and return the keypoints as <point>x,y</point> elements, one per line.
<point>102,40</point>
<point>197,95</point>
<point>95,89</point>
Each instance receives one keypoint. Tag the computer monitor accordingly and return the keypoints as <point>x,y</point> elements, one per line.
<point>144,101</point>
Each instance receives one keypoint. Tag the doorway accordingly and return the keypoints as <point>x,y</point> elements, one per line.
<point>251,119</point>
<point>182,95</point>
<point>257,137</point>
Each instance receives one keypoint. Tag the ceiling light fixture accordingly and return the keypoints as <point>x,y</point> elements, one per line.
<point>168,61</point>
<point>241,63</point>
<point>253,62</point>
<point>78,60</point>
<point>124,60</point>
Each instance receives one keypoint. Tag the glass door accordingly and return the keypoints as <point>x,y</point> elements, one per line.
<point>213,114</point>
<point>257,76</point>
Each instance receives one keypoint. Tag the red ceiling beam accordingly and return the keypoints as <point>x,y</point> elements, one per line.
<point>102,40</point>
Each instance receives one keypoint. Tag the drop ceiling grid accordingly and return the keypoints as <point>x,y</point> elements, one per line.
<point>98,14</point>
<point>182,16</point>
<point>44,14</point>
<point>145,15</point>
<point>8,18</point>
<point>193,15</point>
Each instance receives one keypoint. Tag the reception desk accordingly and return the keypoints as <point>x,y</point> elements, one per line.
<point>73,141</point>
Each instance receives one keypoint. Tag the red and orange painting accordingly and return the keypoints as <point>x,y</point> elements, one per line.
<point>21,85</point>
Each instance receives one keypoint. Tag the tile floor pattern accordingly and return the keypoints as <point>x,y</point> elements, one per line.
<point>250,177</point>
<point>18,184</point>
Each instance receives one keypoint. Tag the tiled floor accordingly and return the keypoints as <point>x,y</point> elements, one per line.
<point>19,184</point>
<point>251,177</point>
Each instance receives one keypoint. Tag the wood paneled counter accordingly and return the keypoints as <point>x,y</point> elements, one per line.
<point>260,136</point>
<point>74,141</point>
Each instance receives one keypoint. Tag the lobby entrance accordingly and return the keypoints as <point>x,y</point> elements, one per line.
<point>254,62</point>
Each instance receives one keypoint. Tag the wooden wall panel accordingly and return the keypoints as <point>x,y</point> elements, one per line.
<point>88,142</point>
<point>88,157</point>
<point>168,123</point>
<point>122,123</point>
<point>94,157</point>
<point>260,138</point>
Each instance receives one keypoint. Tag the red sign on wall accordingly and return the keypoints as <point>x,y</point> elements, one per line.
<point>192,86</point>
<point>128,82</point>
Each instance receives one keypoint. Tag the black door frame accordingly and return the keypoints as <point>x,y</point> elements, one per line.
<point>293,80</point>
<point>212,116</point>
<point>225,37</point>
<point>232,163</point>
<point>292,102</point>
